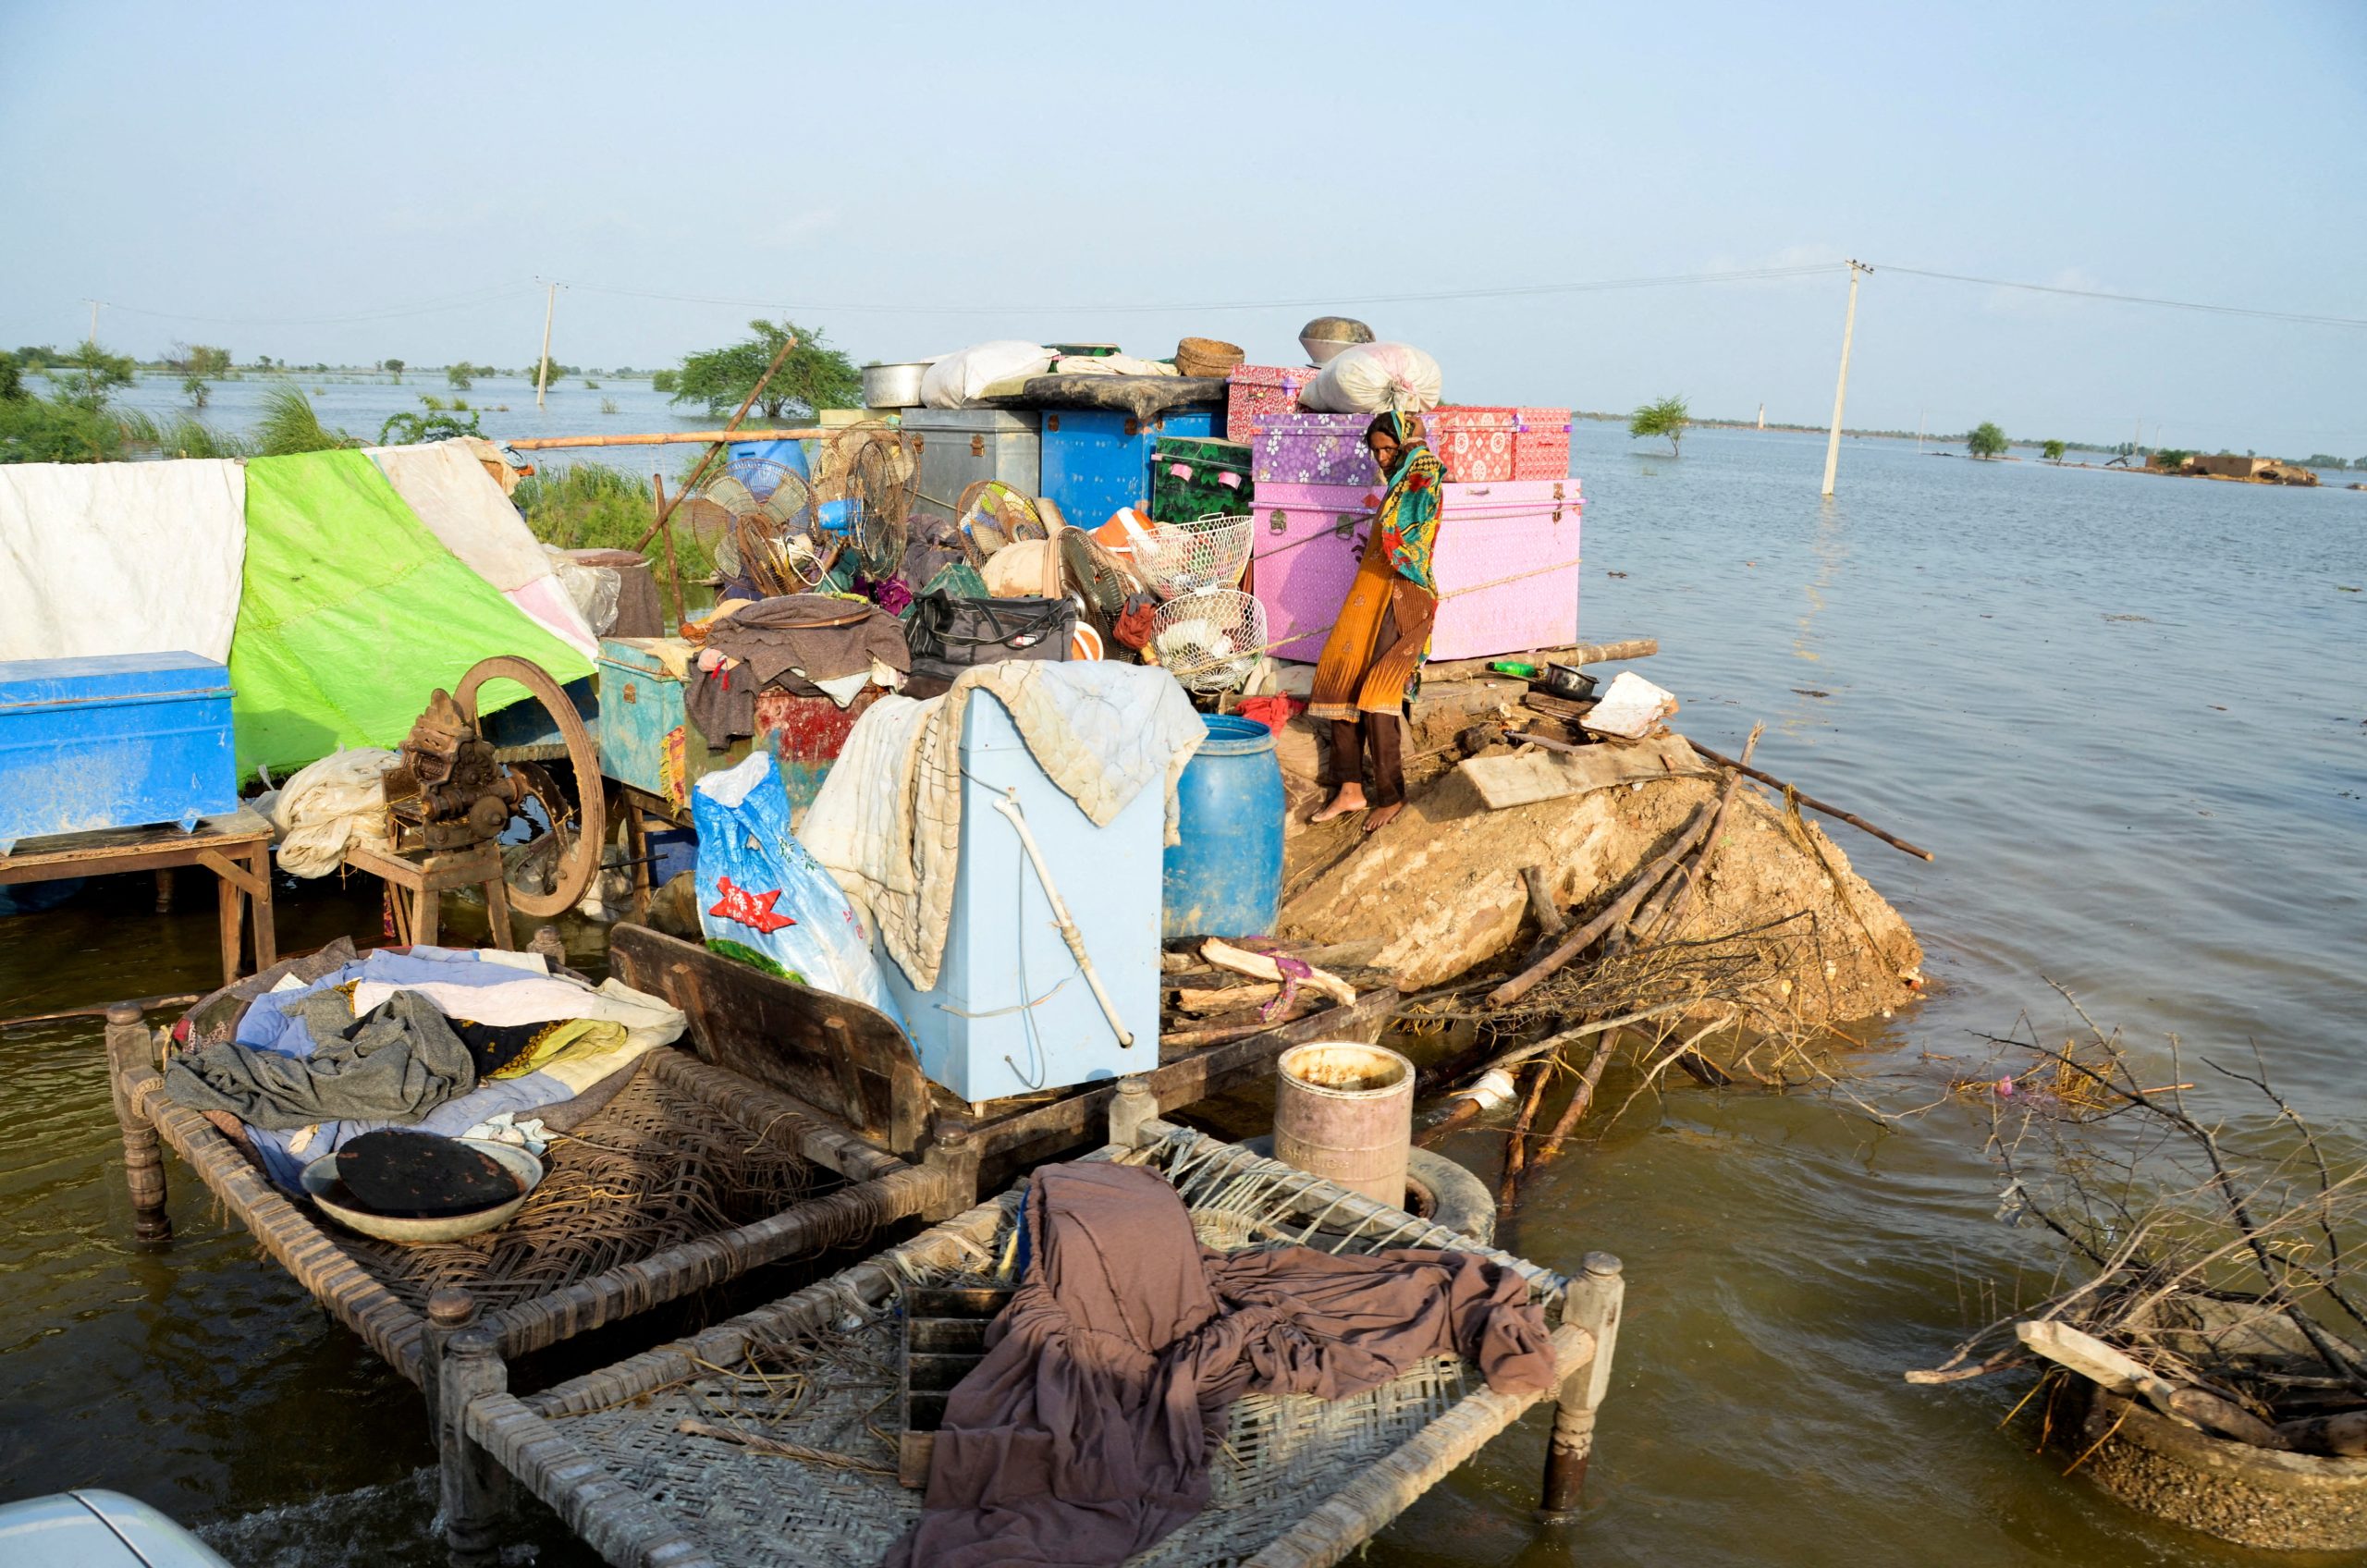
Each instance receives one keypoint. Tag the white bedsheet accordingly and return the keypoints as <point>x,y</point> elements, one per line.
<point>101,559</point>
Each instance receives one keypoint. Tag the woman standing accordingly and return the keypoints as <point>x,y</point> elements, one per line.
<point>1384,629</point>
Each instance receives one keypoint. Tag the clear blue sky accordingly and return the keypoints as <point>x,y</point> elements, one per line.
<point>912,177</point>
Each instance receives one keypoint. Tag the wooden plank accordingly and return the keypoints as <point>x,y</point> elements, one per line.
<point>238,877</point>
<point>114,849</point>
<point>1576,652</point>
<point>847,1061</point>
<point>1528,775</point>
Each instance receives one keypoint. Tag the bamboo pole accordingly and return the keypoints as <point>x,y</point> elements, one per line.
<point>1806,799</point>
<point>664,438</point>
<point>673,562</point>
<point>728,431</point>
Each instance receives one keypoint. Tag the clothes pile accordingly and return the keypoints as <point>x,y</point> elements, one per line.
<point>844,648</point>
<point>440,1040</point>
<point>1085,1434</point>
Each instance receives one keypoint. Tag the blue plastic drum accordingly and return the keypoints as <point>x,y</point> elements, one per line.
<point>1225,877</point>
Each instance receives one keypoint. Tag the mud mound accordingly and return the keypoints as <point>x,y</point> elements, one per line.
<point>1442,886</point>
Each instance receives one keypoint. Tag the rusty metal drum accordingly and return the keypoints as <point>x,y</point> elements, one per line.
<point>1345,1112</point>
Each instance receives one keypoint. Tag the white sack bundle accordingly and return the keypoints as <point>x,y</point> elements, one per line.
<point>961,379</point>
<point>1373,377</point>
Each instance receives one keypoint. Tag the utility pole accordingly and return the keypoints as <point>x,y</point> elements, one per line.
<point>1841,389</point>
<point>94,319</point>
<point>543,370</point>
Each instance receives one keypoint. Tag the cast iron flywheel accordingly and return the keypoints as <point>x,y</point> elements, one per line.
<point>574,826</point>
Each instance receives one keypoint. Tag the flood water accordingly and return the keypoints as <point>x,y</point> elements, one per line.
<point>2128,714</point>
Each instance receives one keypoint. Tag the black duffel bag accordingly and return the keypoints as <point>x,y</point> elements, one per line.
<point>949,634</point>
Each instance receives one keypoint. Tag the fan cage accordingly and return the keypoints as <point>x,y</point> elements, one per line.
<point>1185,557</point>
<point>1210,640</point>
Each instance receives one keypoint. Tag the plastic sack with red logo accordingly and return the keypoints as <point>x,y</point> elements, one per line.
<point>765,901</point>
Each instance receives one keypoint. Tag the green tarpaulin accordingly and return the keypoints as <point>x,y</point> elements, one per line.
<point>353,613</point>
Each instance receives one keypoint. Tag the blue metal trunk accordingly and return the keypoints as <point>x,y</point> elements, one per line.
<point>645,739</point>
<point>1010,1011</point>
<point>123,740</point>
<point>1223,876</point>
<point>1097,462</point>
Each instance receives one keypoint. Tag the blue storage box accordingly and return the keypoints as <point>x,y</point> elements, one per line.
<point>1097,462</point>
<point>1010,1011</point>
<point>123,740</point>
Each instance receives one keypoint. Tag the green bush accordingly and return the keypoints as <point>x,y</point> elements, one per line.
<point>56,429</point>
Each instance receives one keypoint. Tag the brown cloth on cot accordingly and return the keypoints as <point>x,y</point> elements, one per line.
<point>1084,1435</point>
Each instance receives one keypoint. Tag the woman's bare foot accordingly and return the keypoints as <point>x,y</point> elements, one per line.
<point>1350,798</point>
<point>1382,816</point>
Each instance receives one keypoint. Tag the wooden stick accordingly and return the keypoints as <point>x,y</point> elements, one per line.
<point>1261,966</point>
<point>1516,1146</point>
<point>729,432</point>
<point>691,1425</point>
<point>1580,1097</point>
<point>1621,908</point>
<point>664,438</point>
<point>145,1004</point>
<point>1550,744</point>
<point>1806,799</point>
<point>1549,918</point>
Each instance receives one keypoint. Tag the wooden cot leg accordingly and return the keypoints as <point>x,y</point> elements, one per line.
<point>475,1489</point>
<point>163,889</point>
<point>954,1156</point>
<point>143,1162</point>
<point>426,915</point>
<point>1593,1303</point>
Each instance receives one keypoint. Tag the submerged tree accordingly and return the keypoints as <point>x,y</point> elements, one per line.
<point>194,385</point>
<point>2054,452</point>
<point>395,366</point>
<point>1667,417</point>
<point>91,373</point>
<point>459,375</point>
<point>814,377</point>
<point>1986,440</point>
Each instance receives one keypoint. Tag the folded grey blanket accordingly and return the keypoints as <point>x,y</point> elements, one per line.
<point>403,1063</point>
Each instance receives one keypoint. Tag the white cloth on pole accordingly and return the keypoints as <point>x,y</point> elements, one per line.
<point>99,559</point>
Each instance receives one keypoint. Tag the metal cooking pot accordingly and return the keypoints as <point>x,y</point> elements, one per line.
<point>892,387</point>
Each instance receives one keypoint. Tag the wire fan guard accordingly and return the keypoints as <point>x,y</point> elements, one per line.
<point>1185,558</point>
<point>1209,639</point>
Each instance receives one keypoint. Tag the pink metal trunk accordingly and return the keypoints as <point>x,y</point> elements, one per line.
<point>1304,545</point>
<point>1507,568</point>
<point>1256,395</point>
<point>1506,563</point>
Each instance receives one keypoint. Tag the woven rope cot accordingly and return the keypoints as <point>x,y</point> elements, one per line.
<point>691,1176</point>
<point>1300,1481</point>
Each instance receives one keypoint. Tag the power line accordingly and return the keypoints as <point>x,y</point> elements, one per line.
<point>1517,290</point>
<point>2302,317</point>
<point>473,298</point>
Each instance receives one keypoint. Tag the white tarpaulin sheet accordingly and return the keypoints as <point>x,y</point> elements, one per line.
<point>463,505</point>
<point>101,559</point>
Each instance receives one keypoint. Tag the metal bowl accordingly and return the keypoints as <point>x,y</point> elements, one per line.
<point>1325,335</point>
<point>893,386</point>
<point>519,1162</point>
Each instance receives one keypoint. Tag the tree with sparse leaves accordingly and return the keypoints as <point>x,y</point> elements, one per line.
<point>1668,417</point>
<point>1986,440</point>
<point>814,377</point>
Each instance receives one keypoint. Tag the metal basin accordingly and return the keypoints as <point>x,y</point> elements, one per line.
<point>892,387</point>
<point>322,1173</point>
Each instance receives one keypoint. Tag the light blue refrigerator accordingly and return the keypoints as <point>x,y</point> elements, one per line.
<point>1011,1011</point>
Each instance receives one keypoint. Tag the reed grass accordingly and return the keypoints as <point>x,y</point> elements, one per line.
<point>179,435</point>
<point>289,427</point>
<point>594,507</point>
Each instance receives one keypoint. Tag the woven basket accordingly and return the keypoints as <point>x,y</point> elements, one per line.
<point>1208,356</point>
